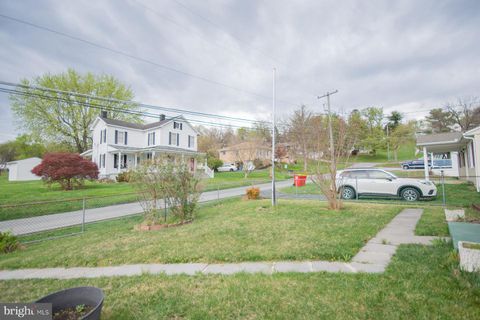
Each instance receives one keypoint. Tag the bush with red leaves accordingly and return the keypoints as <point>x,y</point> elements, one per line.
<point>68,169</point>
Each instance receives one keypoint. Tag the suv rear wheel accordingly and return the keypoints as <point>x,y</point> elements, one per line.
<point>347,193</point>
<point>405,167</point>
<point>410,194</point>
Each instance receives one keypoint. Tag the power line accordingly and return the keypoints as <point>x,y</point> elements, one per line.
<point>227,33</point>
<point>110,108</point>
<point>131,56</point>
<point>148,106</point>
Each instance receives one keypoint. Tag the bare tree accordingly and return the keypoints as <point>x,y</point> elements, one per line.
<point>300,133</point>
<point>344,139</point>
<point>465,112</point>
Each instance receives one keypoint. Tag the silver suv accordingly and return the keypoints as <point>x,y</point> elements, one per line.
<point>377,182</point>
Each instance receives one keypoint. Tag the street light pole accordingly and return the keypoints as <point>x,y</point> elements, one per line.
<point>274,195</point>
<point>330,130</point>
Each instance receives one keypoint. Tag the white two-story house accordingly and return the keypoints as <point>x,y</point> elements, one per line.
<point>119,145</point>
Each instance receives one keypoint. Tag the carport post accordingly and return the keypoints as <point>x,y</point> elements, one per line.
<point>444,201</point>
<point>425,162</point>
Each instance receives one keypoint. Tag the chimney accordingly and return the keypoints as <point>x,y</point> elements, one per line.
<point>104,114</point>
<point>162,117</point>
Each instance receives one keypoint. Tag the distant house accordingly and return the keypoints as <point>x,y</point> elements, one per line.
<point>21,170</point>
<point>456,153</point>
<point>119,145</point>
<point>245,152</point>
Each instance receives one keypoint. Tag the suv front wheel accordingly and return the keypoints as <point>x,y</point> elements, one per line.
<point>347,193</point>
<point>410,194</point>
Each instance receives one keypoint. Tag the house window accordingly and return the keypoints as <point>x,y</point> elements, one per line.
<point>151,139</point>
<point>103,136</point>
<point>123,162</point>
<point>149,156</point>
<point>177,125</point>
<point>121,137</point>
<point>191,141</point>
<point>173,139</point>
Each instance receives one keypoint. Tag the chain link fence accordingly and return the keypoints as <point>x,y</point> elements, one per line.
<point>43,220</point>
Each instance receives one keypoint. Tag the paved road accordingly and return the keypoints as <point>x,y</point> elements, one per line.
<point>66,219</point>
<point>374,257</point>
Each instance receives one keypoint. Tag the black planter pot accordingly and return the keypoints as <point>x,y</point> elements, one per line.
<point>70,298</point>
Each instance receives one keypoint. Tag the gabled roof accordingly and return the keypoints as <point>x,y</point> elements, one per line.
<point>244,145</point>
<point>133,125</point>
<point>140,126</point>
<point>439,138</point>
<point>24,160</point>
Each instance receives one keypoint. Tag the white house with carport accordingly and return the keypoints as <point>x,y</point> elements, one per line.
<point>21,170</point>
<point>120,145</point>
<point>456,153</point>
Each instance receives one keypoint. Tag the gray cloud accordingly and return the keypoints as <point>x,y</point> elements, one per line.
<point>406,55</point>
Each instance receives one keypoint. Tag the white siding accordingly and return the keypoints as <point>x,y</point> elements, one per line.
<point>21,170</point>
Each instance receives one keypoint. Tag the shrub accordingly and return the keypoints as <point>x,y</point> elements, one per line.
<point>124,176</point>
<point>8,242</point>
<point>67,169</point>
<point>214,163</point>
<point>163,178</point>
<point>253,193</point>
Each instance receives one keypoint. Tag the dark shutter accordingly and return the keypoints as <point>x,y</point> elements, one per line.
<point>105,135</point>
<point>116,136</point>
<point>101,138</point>
<point>170,138</point>
<point>153,138</point>
<point>115,160</point>
<point>178,139</point>
<point>126,137</point>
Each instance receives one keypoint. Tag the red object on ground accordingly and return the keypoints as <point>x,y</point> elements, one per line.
<point>299,180</point>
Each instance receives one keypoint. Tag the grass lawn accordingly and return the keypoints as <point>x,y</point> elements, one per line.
<point>405,152</point>
<point>457,195</point>
<point>422,282</point>
<point>227,231</point>
<point>100,194</point>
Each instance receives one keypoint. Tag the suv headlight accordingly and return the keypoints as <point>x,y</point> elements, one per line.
<point>427,183</point>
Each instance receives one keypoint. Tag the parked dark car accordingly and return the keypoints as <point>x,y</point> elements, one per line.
<point>415,164</point>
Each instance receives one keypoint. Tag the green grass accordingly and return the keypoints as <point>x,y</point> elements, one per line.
<point>457,195</point>
<point>432,223</point>
<point>422,282</point>
<point>28,194</point>
<point>232,230</point>
<point>405,152</point>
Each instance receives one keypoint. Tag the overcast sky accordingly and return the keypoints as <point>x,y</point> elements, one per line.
<point>400,55</point>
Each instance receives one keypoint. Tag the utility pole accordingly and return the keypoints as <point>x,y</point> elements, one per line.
<point>330,130</point>
<point>274,195</point>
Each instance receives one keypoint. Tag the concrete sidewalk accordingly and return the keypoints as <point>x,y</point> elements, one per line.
<point>66,219</point>
<point>374,257</point>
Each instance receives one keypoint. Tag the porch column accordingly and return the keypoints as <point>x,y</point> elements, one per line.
<point>119,161</point>
<point>425,162</point>
<point>153,155</point>
<point>467,160</point>
<point>135,160</point>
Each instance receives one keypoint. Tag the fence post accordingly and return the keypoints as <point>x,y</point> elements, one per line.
<point>165,209</point>
<point>83,214</point>
<point>356,188</point>
<point>444,200</point>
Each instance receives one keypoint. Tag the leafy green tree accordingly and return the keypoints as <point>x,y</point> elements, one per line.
<point>401,135</point>
<point>51,116</point>
<point>374,138</point>
<point>439,121</point>
<point>394,120</point>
